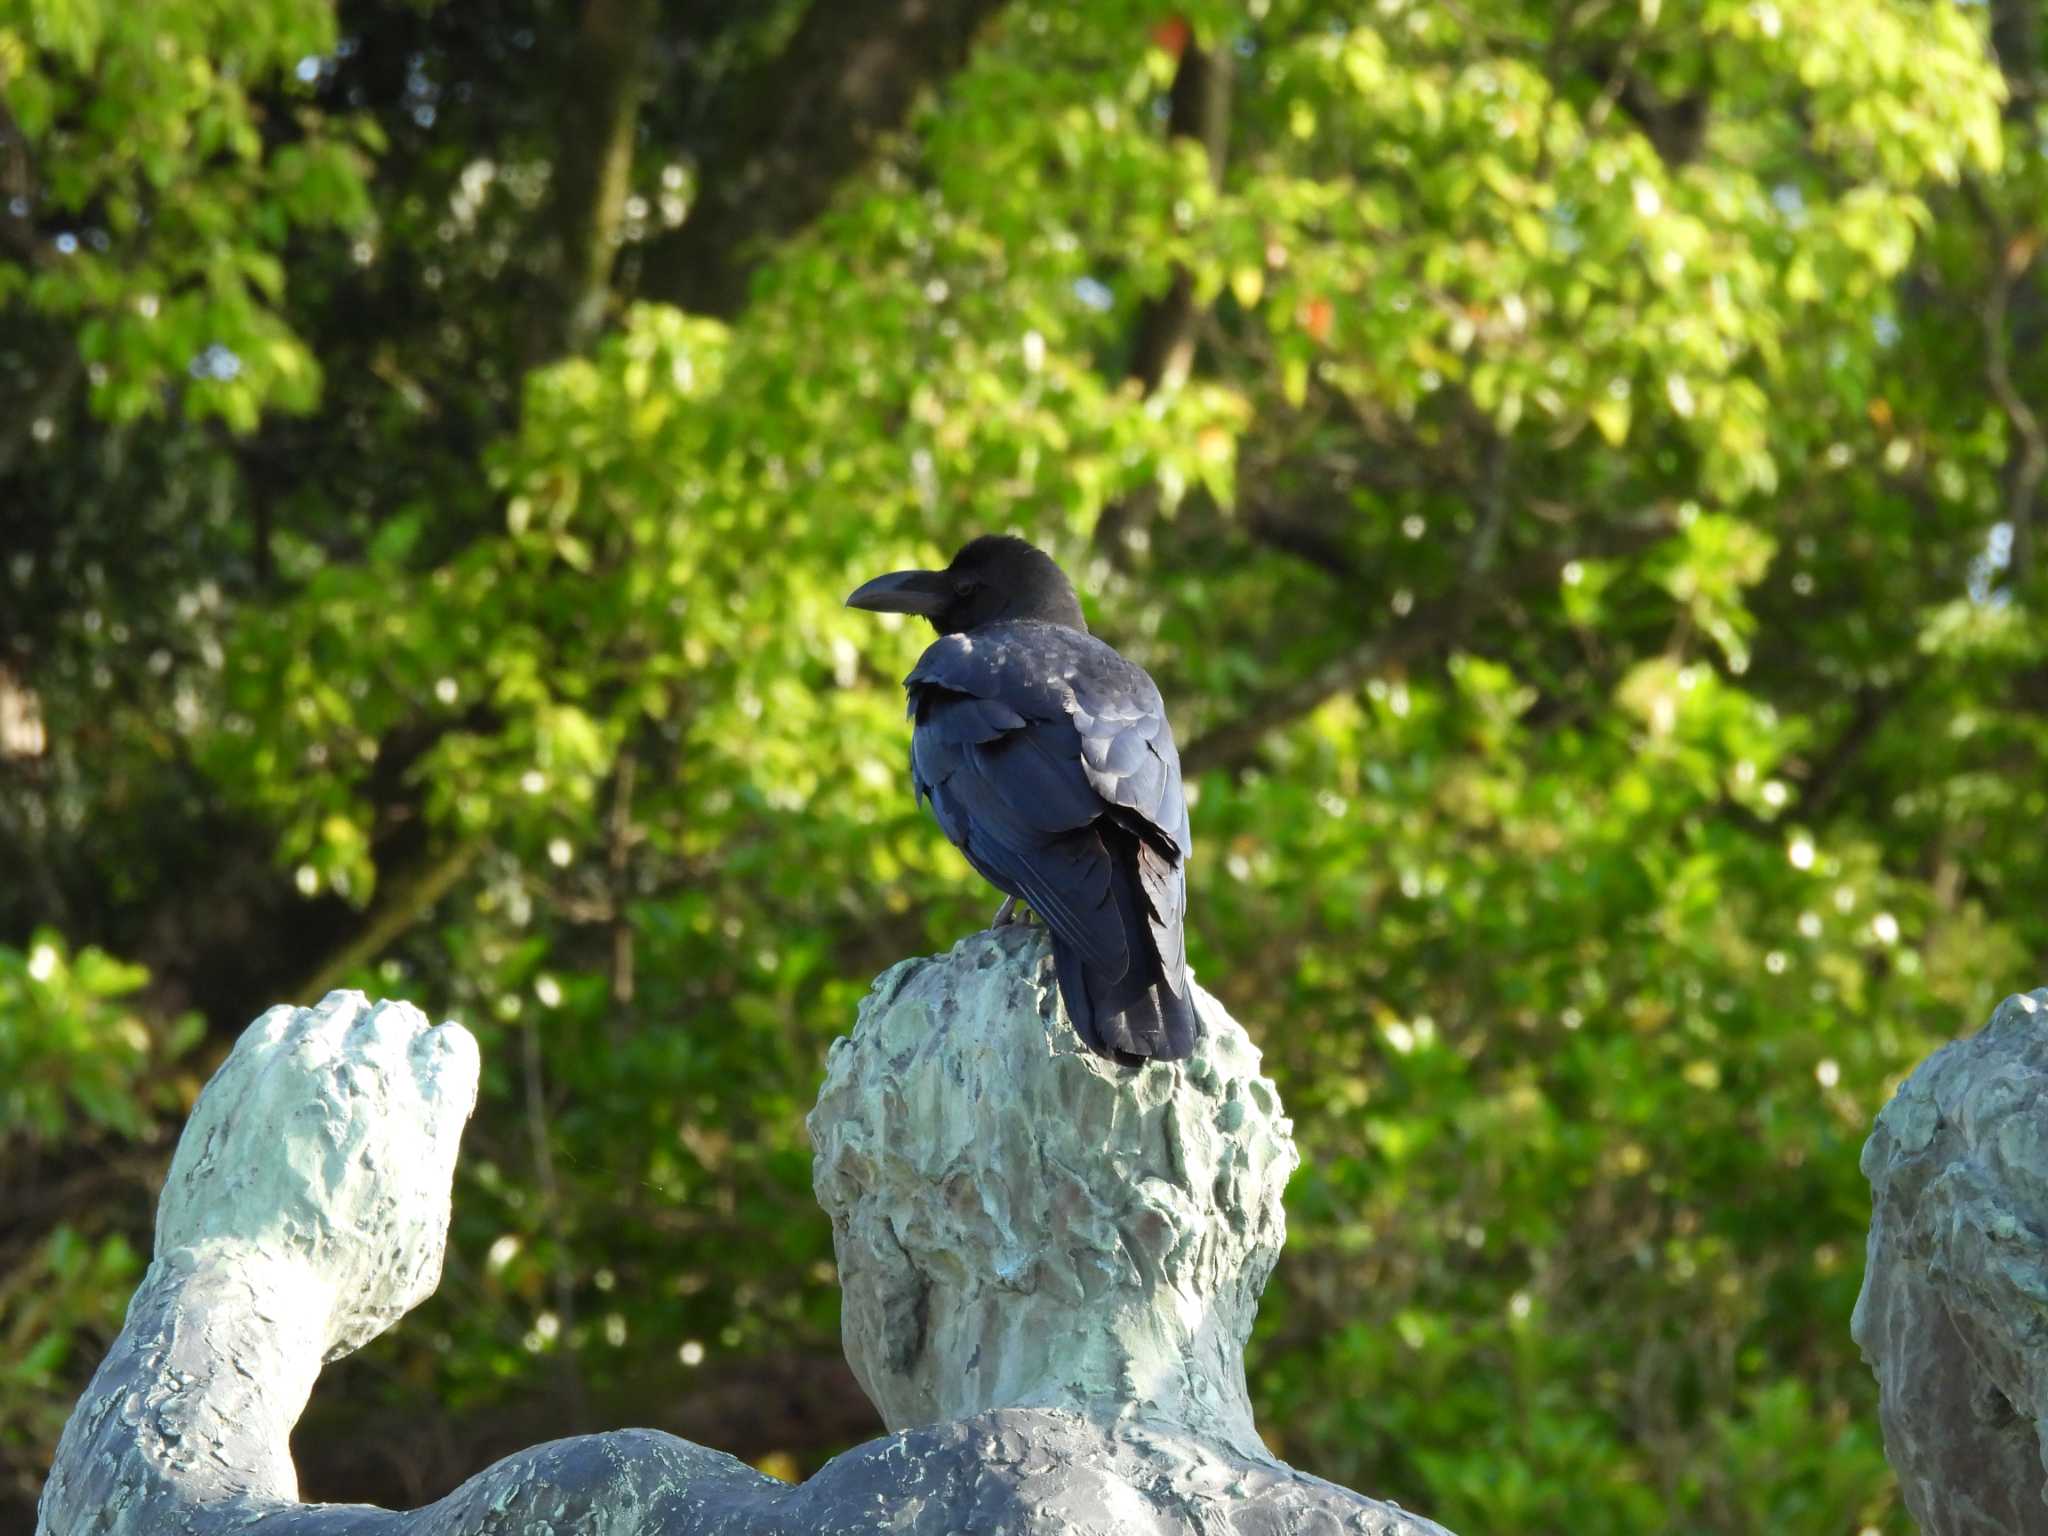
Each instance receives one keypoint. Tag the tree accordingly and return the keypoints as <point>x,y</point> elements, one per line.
<point>1573,475</point>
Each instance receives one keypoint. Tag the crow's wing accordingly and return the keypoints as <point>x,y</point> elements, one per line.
<point>1027,736</point>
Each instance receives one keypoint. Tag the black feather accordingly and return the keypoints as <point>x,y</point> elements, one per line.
<point>1076,809</point>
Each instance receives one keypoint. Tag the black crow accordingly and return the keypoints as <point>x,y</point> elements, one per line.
<point>1046,759</point>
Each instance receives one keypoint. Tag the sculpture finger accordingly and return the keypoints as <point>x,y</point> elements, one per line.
<point>383,1037</point>
<point>445,1065</point>
<point>269,1027</point>
<point>317,1035</point>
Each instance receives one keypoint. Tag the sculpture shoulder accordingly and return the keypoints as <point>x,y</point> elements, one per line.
<point>1047,1471</point>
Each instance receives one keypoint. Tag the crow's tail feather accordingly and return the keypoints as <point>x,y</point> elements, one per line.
<point>1132,1019</point>
<point>1156,1026</point>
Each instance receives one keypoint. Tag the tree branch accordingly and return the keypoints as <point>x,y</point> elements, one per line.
<point>1868,711</point>
<point>2016,42</point>
<point>1427,627</point>
<point>1675,126</point>
<point>400,903</point>
<point>789,132</point>
<point>600,110</point>
<point>1164,350</point>
<point>46,398</point>
<point>2026,459</point>
<point>541,1146</point>
<point>1286,530</point>
<point>18,191</point>
<point>620,836</point>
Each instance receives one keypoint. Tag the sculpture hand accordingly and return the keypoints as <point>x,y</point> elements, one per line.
<point>325,1147</point>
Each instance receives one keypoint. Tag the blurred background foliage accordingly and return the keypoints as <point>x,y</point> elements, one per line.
<point>1573,470</point>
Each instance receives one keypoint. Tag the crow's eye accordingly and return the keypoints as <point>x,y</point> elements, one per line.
<point>966,586</point>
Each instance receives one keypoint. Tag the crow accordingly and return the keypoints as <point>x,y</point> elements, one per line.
<point>1046,759</point>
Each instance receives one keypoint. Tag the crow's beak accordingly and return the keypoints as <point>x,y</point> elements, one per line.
<point>920,592</point>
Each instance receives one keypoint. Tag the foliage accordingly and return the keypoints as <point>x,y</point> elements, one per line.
<point>177,193</point>
<point>88,1091</point>
<point>1588,560</point>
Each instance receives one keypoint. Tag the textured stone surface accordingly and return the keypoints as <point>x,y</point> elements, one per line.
<point>1953,1316</point>
<point>1021,1221</point>
<point>1050,1266</point>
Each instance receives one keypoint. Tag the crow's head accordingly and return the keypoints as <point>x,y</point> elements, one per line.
<point>994,577</point>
